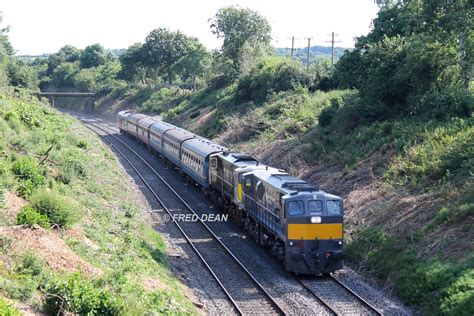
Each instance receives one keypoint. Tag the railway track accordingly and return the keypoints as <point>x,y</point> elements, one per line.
<point>244,292</point>
<point>329,292</point>
<point>337,297</point>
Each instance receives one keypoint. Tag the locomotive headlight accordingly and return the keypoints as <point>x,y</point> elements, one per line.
<point>315,219</point>
<point>340,243</point>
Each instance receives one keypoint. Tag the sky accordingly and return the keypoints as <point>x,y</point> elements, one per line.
<point>45,26</point>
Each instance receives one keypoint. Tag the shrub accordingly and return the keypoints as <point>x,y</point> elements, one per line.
<point>445,152</point>
<point>20,287</point>
<point>29,216</point>
<point>31,264</point>
<point>271,75</point>
<point>30,178</point>
<point>59,210</point>
<point>80,295</point>
<point>438,287</point>
<point>327,115</point>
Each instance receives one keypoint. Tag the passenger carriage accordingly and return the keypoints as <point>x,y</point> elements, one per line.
<point>156,134</point>
<point>172,141</point>
<point>143,128</point>
<point>195,154</point>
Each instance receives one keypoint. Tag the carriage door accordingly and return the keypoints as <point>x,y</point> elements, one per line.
<point>213,169</point>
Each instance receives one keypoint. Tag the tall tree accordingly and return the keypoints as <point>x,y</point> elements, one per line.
<point>93,56</point>
<point>195,63</point>
<point>132,62</point>
<point>67,53</point>
<point>163,48</point>
<point>237,26</point>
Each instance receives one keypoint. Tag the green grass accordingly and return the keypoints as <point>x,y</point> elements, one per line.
<point>7,309</point>
<point>80,186</point>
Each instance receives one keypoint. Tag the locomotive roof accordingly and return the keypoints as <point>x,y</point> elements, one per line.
<point>203,147</point>
<point>283,180</point>
<point>179,135</point>
<point>238,157</point>
<point>161,126</point>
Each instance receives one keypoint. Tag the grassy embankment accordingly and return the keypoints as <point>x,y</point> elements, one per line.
<point>102,255</point>
<point>417,233</point>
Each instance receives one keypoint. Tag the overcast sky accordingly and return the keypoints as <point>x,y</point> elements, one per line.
<point>45,26</point>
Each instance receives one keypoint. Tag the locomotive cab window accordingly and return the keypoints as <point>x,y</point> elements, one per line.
<point>248,183</point>
<point>295,208</point>
<point>334,207</point>
<point>315,207</point>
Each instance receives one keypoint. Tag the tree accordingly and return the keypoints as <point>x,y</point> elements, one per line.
<point>133,68</point>
<point>67,53</point>
<point>237,26</point>
<point>93,56</point>
<point>163,48</point>
<point>195,63</point>
<point>22,74</point>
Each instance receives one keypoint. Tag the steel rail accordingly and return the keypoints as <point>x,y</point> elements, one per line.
<point>357,296</point>
<point>259,286</point>
<point>324,302</point>
<point>319,298</point>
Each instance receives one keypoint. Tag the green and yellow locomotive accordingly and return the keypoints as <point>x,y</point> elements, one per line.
<point>300,224</point>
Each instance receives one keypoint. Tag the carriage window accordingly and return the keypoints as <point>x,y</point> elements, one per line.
<point>315,206</point>
<point>295,208</point>
<point>334,207</point>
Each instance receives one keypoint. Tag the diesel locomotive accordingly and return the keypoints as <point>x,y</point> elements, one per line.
<point>300,224</point>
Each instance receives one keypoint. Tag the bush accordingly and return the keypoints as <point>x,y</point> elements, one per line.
<point>446,152</point>
<point>447,103</point>
<point>28,175</point>
<point>80,295</point>
<point>438,287</point>
<point>31,264</point>
<point>328,113</point>
<point>29,216</point>
<point>271,75</point>
<point>59,210</point>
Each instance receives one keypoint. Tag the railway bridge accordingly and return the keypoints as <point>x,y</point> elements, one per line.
<point>51,95</point>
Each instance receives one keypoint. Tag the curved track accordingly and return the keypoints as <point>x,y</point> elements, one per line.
<point>246,294</point>
<point>329,292</point>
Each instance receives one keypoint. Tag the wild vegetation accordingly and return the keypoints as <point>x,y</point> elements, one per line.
<point>395,114</point>
<point>69,192</point>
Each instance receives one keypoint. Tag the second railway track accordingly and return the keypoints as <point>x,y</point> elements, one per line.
<point>242,289</point>
<point>337,297</point>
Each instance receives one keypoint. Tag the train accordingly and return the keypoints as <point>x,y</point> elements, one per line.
<point>300,224</point>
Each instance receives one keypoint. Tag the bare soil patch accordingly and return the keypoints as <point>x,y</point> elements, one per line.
<point>49,246</point>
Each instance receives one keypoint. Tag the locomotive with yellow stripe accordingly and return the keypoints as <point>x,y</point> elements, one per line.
<point>302,225</point>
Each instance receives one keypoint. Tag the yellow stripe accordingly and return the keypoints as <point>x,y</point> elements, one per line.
<point>314,231</point>
<point>239,192</point>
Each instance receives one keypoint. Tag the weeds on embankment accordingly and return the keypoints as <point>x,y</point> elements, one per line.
<point>60,177</point>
